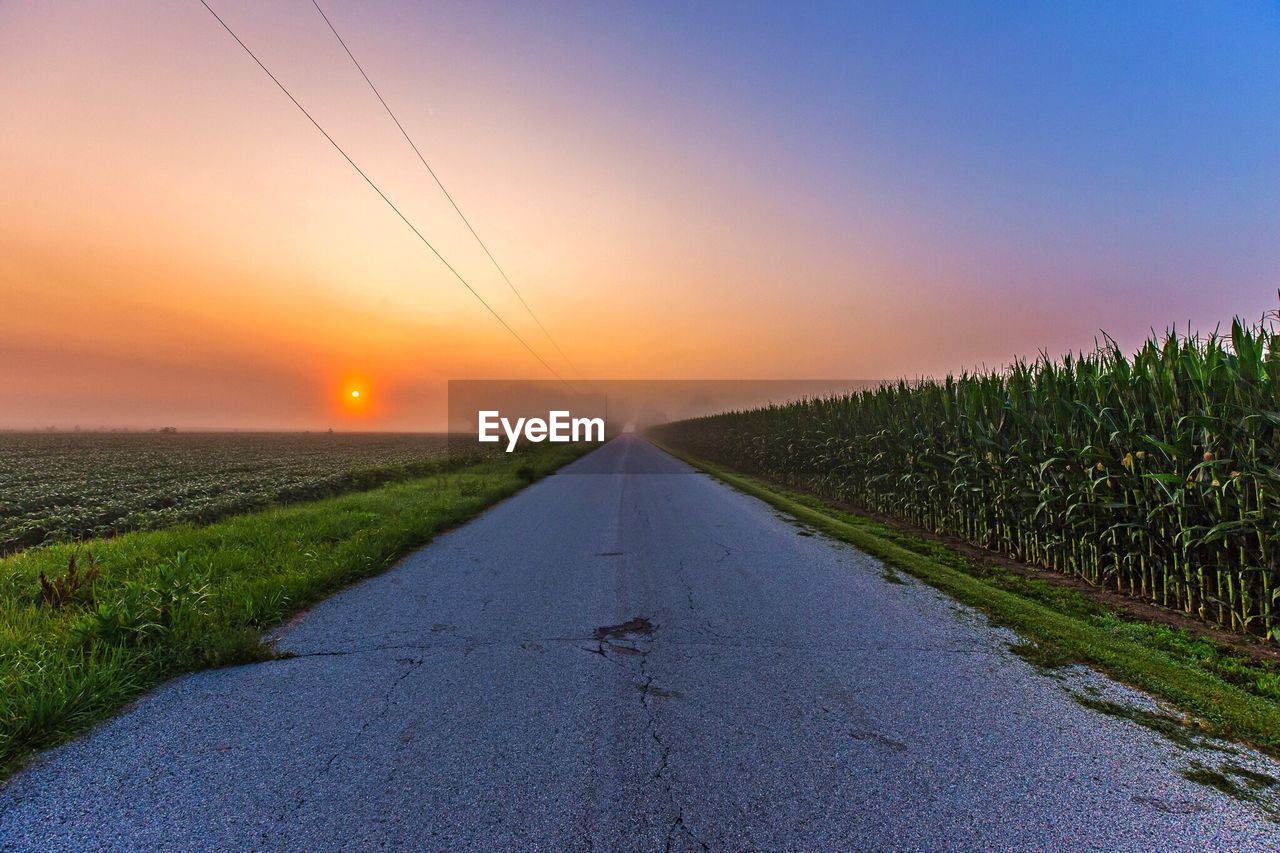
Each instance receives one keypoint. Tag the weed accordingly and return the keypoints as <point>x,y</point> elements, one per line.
<point>72,587</point>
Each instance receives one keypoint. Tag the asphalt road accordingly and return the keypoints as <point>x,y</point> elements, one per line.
<point>629,656</point>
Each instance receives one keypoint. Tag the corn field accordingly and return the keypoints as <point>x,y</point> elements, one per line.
<point>1156,475</point>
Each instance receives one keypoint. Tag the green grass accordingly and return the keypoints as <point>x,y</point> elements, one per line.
<point>1228,695</point>
<point>185,598</point>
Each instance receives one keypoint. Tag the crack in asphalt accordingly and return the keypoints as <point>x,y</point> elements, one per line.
<point>878,738</point>
<point>616,644</point>
<point>300,797</point>
<point>639,630</point>
<point>599,650</point>
<point>682,573</point>
<point>721,641</point>
<point>661,773</point>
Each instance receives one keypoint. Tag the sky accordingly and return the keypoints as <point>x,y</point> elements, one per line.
<point>679,190</point>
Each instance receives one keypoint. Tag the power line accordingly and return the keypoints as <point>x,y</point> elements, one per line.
<point>440,184</point>
<point>383,195</point>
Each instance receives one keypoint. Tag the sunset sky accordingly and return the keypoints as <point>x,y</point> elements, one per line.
<point>680,190</point>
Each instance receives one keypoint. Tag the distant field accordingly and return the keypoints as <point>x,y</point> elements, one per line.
<point>58,487</point>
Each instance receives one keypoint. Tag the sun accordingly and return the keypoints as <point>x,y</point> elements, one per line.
<point>354,397</point>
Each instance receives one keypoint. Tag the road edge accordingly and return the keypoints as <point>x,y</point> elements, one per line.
<point>1212,705</point>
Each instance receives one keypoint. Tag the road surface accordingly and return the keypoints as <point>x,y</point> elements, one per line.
<point>628,656</point>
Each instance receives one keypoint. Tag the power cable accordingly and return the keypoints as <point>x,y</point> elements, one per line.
<point>440,184</point>
<point>383,195</point>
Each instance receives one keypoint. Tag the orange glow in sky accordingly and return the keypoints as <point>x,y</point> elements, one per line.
<point>179,246</point>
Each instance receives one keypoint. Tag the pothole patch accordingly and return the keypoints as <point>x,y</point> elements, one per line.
<point>639,626</point>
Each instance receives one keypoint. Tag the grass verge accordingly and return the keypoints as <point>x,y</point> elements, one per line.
<point>78,643</point>
<point>1222,694</point>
